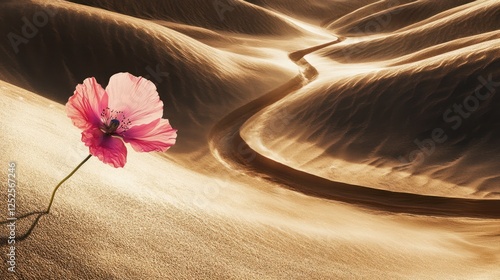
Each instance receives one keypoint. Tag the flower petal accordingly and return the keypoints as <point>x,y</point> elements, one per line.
<point>136,97</point>
<point>157,136</point>
<point>108,149</point>
<point>85,106</point>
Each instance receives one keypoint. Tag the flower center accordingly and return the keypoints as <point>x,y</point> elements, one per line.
<point>113,120</point>
<point>113,125</point>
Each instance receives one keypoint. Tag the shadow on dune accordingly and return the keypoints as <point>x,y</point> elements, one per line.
<point>449,25</point>
<point>196,82</point>
<point>371,198</point>
<point>227,142</point>
<point>34,223</point>
<point>432,112</point>
<point>223,15</point>
<point>437,121</point>
<point>314,11</point>
<point>389,16</point>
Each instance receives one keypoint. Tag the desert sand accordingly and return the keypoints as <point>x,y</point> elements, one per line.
<point>320,139</point>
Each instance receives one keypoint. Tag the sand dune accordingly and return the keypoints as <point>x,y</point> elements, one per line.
<point>468,20</point>
<point>235,16</point>
<point>358,120</point>
<point>365,11</point>
<point>388,16</point>
<point>96,47</point>
<point>315,11</point>
<point>227,143</point>
<point>386,118</point>
<point>317,140</point>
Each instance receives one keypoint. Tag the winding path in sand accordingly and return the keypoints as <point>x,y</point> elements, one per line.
<point>227,145</point>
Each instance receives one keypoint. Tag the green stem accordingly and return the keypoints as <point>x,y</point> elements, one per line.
<point>63,180</point>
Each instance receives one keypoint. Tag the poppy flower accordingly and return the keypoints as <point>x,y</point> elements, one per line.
<point>129,110</point>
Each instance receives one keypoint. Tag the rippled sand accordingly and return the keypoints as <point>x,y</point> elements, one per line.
<point>321,139</point>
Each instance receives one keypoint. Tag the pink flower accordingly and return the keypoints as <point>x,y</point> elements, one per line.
<point>128,110</point>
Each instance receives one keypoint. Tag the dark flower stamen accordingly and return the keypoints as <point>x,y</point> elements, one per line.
<point>113,125</point>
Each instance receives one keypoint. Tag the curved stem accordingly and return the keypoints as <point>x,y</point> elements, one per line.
<point>63,180</point>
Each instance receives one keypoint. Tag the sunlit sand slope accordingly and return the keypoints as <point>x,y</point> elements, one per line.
<point>423,102</point>
<point>79,42</point>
